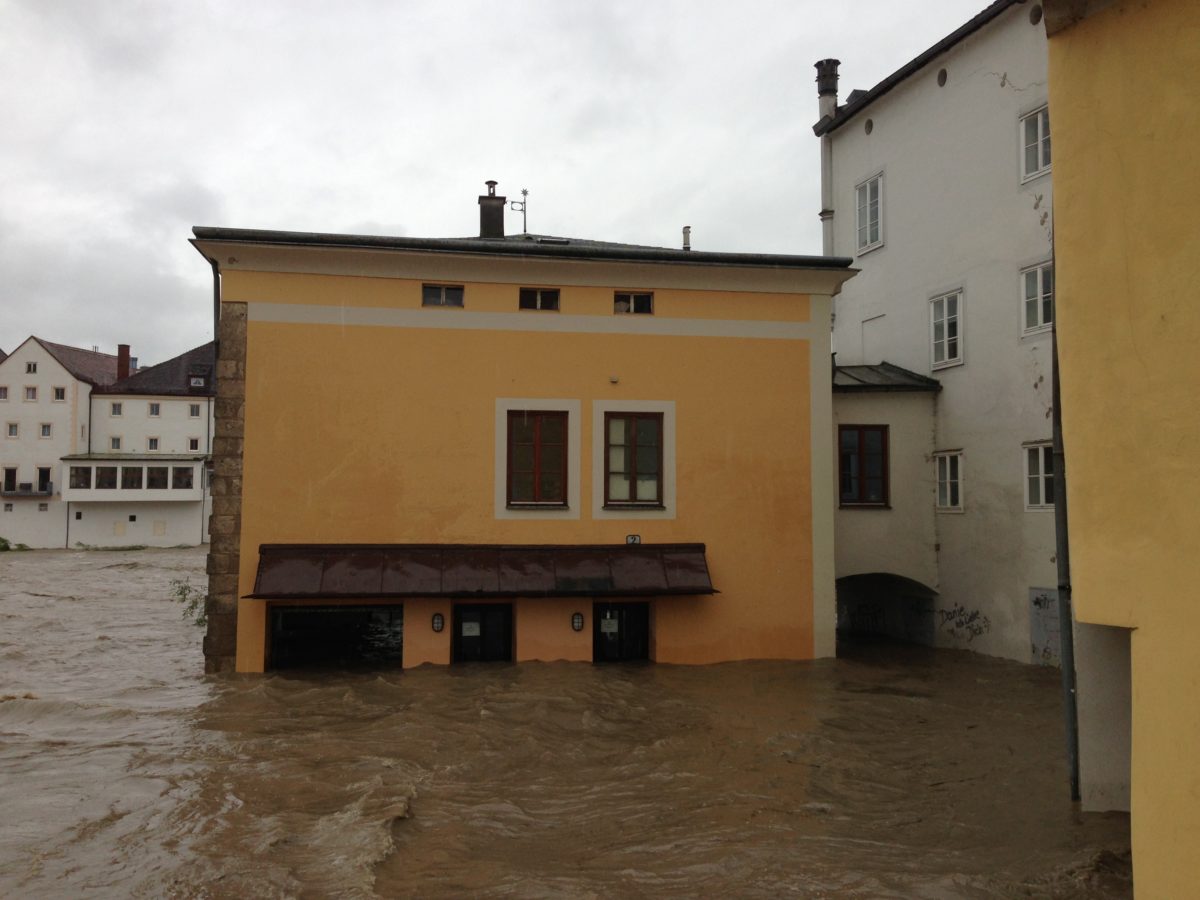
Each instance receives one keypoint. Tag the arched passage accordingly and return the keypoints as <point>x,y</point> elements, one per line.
<point>885,605</point>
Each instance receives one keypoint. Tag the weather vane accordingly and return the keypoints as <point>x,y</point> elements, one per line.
<point>519,206</point>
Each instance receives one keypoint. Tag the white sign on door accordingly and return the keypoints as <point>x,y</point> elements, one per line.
<point>470,629</point>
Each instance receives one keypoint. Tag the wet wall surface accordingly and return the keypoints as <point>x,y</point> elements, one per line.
<point>891,772</point>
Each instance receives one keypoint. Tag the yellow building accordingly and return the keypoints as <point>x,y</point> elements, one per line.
<point>519,447</point>
<point>1126,101</point>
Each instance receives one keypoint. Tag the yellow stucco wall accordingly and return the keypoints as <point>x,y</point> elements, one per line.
<point>1125,120</point>
<point>383,434</point>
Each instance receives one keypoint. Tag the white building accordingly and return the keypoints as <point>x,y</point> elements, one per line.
<point>937,182</point>
<point>95,456</point>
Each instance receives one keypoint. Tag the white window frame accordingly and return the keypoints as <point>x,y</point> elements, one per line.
<point>193,410</point>
<point>30,393</point>
<point>30,368</point>
<point>114,442</point>
<point>154,410</point>
<point>116,410</point>
<point>868,245</point>
<point>1044,450</point>
<point>948,361</point>
<point>947,473</point>
<point>194,444</point>
<point>45,431</point>
<point>1042,272</point>
<point>54,394</point>
<point>152,444</point>
<point>1041,117</point>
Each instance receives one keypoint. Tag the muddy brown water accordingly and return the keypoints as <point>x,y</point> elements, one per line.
<point>890,772</point>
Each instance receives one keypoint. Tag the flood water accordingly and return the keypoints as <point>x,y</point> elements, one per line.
<point>891,772</point>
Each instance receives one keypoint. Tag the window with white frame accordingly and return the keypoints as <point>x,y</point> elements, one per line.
<point>1035,143</point>
<point>152,444</point>
<point>31,394</point>
<point>949,480</point>
<point>46,430</point>
<point>194,410</point>
<point>155,410</point>
<point>945,325</point>
<point>114,410</point>
<point>869,213</point>
<point>60,395</point>
<point>30,368</point>
<point>1039,476</point>
<point>114,442</point>
<point>1037,288</point>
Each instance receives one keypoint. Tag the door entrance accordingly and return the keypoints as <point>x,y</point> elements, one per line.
<point>483,632</point>
<point>620,632</point>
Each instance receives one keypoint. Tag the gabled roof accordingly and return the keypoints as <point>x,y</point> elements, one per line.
<point>883,378</point>
<point>92,366</point>
<point>863,99</point>
<point>173,377</point>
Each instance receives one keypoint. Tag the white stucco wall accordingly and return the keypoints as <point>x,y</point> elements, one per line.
<point>173,426</point>
<point>956,215</point>
<point>153,525</point>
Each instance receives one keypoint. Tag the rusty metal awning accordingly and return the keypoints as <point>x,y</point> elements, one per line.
<point>384,571</point>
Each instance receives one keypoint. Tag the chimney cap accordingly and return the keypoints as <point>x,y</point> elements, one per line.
<point>827,76</point>
<point>491,186</point>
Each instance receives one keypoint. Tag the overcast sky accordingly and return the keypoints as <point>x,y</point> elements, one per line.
<point>126,122</point>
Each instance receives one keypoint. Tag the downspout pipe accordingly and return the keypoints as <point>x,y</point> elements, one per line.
<point>216,311</point>
<point>1066,616</point>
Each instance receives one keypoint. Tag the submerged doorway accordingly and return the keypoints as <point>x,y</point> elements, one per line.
<point>483,632</point>
<point>336,636</point>
<point>620,632</point>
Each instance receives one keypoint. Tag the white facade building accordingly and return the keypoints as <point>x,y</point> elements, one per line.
<point>94,459</point>
<point>937,182</point>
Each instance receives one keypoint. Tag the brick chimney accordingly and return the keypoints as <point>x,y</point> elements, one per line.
<point>122,361</point>
<point>491,213</point>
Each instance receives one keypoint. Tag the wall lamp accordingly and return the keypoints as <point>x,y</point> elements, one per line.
<point>577,622</point>
<point>439,622</point>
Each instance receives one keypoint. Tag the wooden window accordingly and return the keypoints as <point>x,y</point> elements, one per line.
<point>442,295</point>
<point>641,304</point>
<point>537,458</point>
<point>539,298</point>
<point>863,465</point>
<point>633,459</point>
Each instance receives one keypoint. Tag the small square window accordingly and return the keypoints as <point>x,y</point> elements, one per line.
<point>945,325</point>
<point>114,443</point>
<point>863,465</point>
<point>152,444</point>
<point>30,368</point>
<point>1035,144</point>
<point>13,430</point>
<point>78,515</point>
<point>1039,476</point>
<point>949,480</point>
<point>633,304</point>
<point>114,409</point>
<point>869,213</point>
<point>3,392</point>
<point>133,518</point>
<point>30,393</point>
<point>46,430</point>
<point>194,410</point>
<point>155,410</point>
<point>193,444</point>
<point>1037,288</point>
<point>43,507</point>
<point>60,394</point>
<point>442,295</point>
<point>539,298</point>
<point>8,507</point>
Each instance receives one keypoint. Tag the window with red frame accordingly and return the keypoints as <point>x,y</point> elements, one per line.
<point>863,465</point>
<point>633,455</point>
<point>537,458</point>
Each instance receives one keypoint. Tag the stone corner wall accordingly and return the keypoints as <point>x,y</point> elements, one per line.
<point>225,524</point>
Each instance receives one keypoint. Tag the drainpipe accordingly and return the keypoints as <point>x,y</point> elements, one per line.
<point>1066,617</point>
<point>216,313</point>
<point>67,545</point>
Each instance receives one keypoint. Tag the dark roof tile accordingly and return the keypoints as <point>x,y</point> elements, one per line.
<point>95,368</point>
<point>173,377</point>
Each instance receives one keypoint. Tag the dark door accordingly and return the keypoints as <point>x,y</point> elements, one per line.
<point>482,632</point>
<point>620,631</point>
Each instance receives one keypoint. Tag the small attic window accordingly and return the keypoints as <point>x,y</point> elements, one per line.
<point>552,240</point>
<point>196,381</point>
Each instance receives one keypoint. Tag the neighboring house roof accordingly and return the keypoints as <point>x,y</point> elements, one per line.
<point>858,100</point>
<point>883,378</point>
<point>172,377</point>
<point>92,366</point>
<point>521,245</point>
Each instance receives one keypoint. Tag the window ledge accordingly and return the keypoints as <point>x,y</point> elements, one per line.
<point>949,510</point>
<point>537,506</point>
<point>1042,508</point>
<point>631,507</point>
<point>864,506</point>
<point>1034,176</point>
<point>948,364</point>
<point>863,251</point>
<point>1040,330</point>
